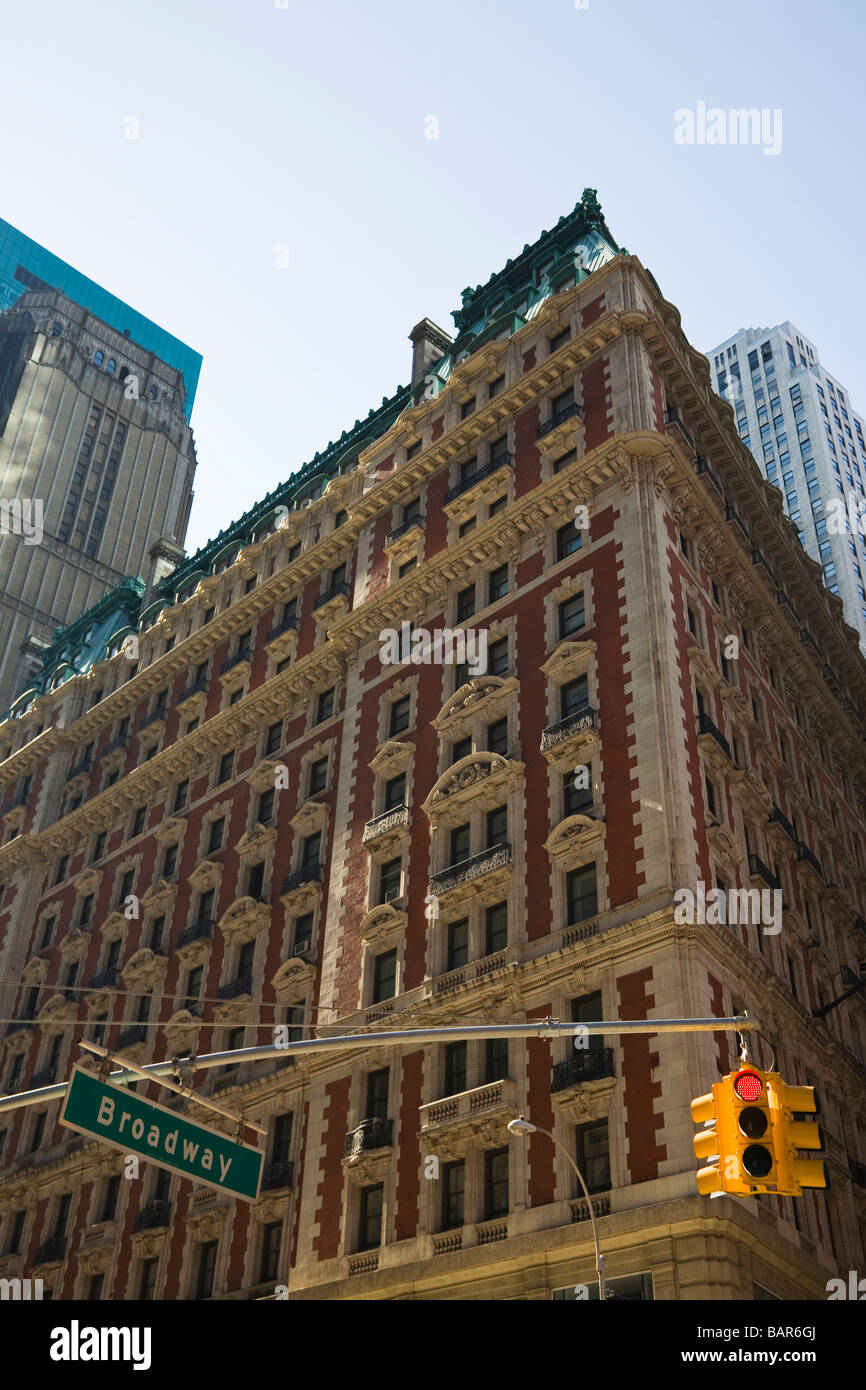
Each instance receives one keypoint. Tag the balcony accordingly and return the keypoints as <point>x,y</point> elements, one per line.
<point>241,655</point>
<point>468,1109</point>
<point>592,1064</point>
<point>776,817</point>
<point>198,687</point>
<point>242,985</point>
<point>50,1250</point>
<point>496,857</point>
<point>758,869</point>
<point>106,979</point>
<point>309,873</point>
<point>340,590</point>
<point>370,1134</point>
<point>152,1216</point>
<point>805,856</point>
<point>572,411</point>
<point>196,931</point>
<point>382,828</point>
<point>582,721</point>
<point>674,424</point>
<point>130,1036</point>
<point>501,461</point>
<point>80,767</point>
<point>707,727</point>
<point>289,624</point>
<point>45,1076</point>
<point>703,470</point>
<point>415,523</point>
<point>784,601</point>
<point>760,559</point>
<point>731,514</point>
<point>277,1175</point>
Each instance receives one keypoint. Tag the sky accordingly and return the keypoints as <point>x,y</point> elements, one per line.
<point>259,177</point>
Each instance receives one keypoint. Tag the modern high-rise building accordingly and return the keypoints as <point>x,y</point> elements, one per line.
<point>809,442</point>
<point>25,265</point>
<point>262,817</point>
<point>97,464</point>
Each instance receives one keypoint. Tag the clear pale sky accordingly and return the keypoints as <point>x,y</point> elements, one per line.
<point>304,127</point>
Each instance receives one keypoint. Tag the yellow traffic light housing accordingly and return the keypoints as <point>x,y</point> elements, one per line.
<point>798,1134</point>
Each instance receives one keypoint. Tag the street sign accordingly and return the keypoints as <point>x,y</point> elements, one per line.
<point>125,1121</point>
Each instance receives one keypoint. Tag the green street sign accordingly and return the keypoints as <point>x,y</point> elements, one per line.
<point>125,1121</point>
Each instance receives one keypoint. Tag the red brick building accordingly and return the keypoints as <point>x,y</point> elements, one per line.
<point>250,817</point>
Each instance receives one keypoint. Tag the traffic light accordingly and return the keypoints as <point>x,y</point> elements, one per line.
<point>752,1137</point>
<point>791,1134</point>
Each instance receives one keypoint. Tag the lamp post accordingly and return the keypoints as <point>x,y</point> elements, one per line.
<point>523,1126</point>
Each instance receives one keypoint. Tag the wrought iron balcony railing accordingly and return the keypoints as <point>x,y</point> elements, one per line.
<point>370,1134</point>
<point>784,601</point>
<point>805,855</point>
<point>706,726</point>
<point>308,873</point>
<point>496,857</point>
<point>289,624</point>
<point>703,469</point>
<point>404,528</point>
<point>760,559</point>
<point>559,417</point>
<point>242,985</point>
<point>242,654</point>
<point>338,590</point>
<point>153,1215</point>
<point>501,461</point>
<point>584,717</point>
<point>388,820</point>
<point>808,640</point>
<point>777,817</point>
<point>758,869</point>
<point>195,931</point>
<point>589,1065</point>
<point>51,1249</point>
<point>278,1175</point>
<point>673,417</point>
<point>731,514</point>
<point>136,1034</point>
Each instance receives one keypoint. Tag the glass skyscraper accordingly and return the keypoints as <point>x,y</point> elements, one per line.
<point>25,265</point>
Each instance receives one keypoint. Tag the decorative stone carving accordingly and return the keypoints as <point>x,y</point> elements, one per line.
<point>88,882</point>
<point>380,926</point>
<point>113,927</point>
<point>157,898</point>
<point>489,695</point>
<point>171,831</point>
<point>290,982</point>
<point>205,876</point>
<point>244,919</point>
<point>480,779</point>
<point>569,659</point>
<point>392,758</point>
<point>271,1208</point>
<point>144,970</point>
<point>575,841</point>
<point>311,817</point>
<point>263,776</point>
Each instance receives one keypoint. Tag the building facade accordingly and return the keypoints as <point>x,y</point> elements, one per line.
<point>97,463</point>
<point>25,265</point>
<point>809,442</point>
<point>269,820</point>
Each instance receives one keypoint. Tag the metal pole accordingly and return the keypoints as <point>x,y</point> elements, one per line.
<point>543,1028</point>
<point>599,1258</point>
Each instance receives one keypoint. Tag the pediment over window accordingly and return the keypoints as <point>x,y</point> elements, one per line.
<point>157,896</point>
<point>113,927</point>
<point>291,980</point>
<point>205,876</point>
<point>74,944</point>
<point>57,1009</point>
<point>310,818</point>
<point>171,831</point>
<point>255,843</point>
<point>724,842</point>
<point>263,777</point>
<point>481,778</point>
<point>381,924</point>
<point>244,919</point>
<point>392,758</point>
<point>569,659</point>
<point>34,971</point>
<point>575,841</point>
<point>88,882</point>
<point>144,968</point>
<point>491,692</point>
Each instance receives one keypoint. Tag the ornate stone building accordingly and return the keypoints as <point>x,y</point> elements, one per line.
<point>96,471</point>
<point>315,838</point>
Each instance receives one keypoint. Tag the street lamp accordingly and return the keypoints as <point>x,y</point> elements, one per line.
<point>523,1126</point>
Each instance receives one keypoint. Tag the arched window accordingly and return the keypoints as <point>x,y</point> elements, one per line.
<point>98,358</point>
<point>110,365</point>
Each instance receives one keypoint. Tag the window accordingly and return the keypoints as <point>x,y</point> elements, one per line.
<point>581,893</point>
<point>495,1183</point>
<point>62,866</point>
<point>564,460</point>
<point>226,768</point>
<point>157,930</point>
<point>461,749</point>
<point>497,584</point>
<point>453,1194</point>
<point>497,657</point>
<point>587,1009</point>
<point>47,933</point>
<point>274,738</point>
<point>205,1271</point>
<point>391,880</point>
<point>36,1142</point>
<point>593,1155</point>
<point>466,526</point>
<point>270,1256</point>
<point>384,976</point>
<point>467,407</point>
<point>495,1060</point>
<point>497,737</point>
<point>318,776</point>
<point>499,449</point>
<point>255,883</point>
<point>181,794</point>
<point>370,1227</point>
<point>458,944</point>
<point>400,712</point>
<point>711,796</point>
<point>576,799</point>
<point>138,821</point>
<point>325,705</point>
<point>126,886</point>
<point>459,843</point>
<point>555,343</point>
<point>573,697</point>
<point>572,615</point>
<point>465,603</point>
<point>99,846</point>
<point>193,986</point>
<point>454,1077</point>
<point>377,1094</point>
<point>497,506</point>
<point>281,1145</point>
<point>395,792</point>
<point>169,861</point>
<point>109,1202</point>
<point>303,932</point>
<point>495,928</point>
<point>147,1279</point>
<point>497,827</point>
<point>215,836</point>
<point>86,910</point>
<point>568,540</point>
